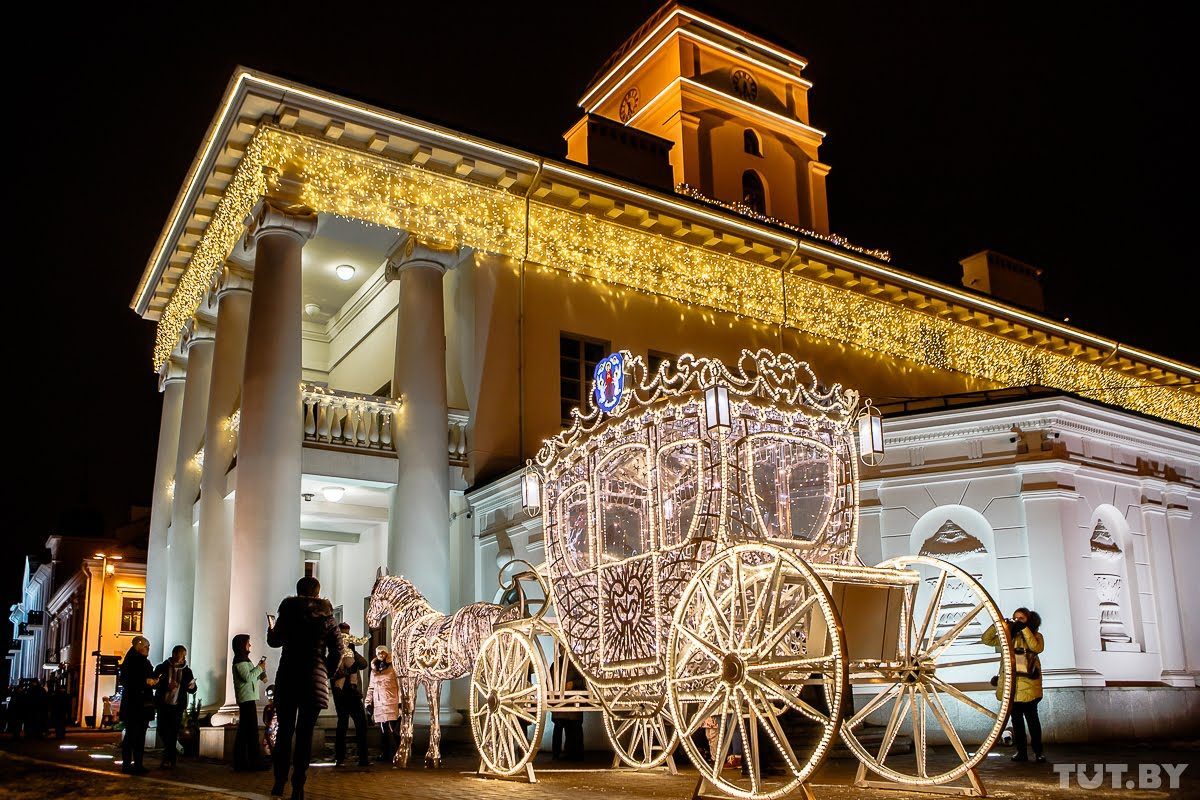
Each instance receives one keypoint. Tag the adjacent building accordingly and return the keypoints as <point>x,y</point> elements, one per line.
<point>367,323</point>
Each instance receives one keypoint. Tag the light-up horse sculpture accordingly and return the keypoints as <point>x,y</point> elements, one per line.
<point>428,647</point>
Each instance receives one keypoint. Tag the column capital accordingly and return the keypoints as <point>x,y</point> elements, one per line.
<point>197,330</point>
<point>233,278</point>
<point>416,252</point>
<point>172,371</point>
<point>274,215</point>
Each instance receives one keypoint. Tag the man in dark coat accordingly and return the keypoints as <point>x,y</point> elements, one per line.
<point>309,636</point>
<point>137,704</point>
<point>175,683</point>
<point>348,700</point>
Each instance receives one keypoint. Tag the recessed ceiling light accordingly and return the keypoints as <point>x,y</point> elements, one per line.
<point>333,494</point>
<point>345,271</point>
<point>312,309</point>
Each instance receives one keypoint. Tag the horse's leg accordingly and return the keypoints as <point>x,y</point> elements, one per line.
<point>408,691</point>
<point>433,695</point>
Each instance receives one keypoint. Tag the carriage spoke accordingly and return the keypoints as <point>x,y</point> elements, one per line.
<point>899,711</point>
<point>723,742</point>
<point>806,664</point>
<point>934,609</point>
<point>749,751</point>
<point>994,658</point>
<point>769,687</point>
<point>708,648</point>
<point>949,636</point>
<point>713,612</point>
<point>624,728</point>
<point>918,729</point>
<point>961,696</point>
<point>706,710</point>
<point>874,703</point>
<point>765,594</point>
<point>910,611</point>
<point>528,690</point>
<point>939,713</point>
<point>739,598</point>
<point>769,643</point>
<point>782,745</point>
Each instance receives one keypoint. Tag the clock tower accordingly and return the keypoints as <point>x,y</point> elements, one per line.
<point>733,106</point>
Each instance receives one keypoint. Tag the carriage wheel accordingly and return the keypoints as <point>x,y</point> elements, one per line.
<point>508,701</point>
<point>640,730</point>
<point>940,659</point>
<point>754,629</point>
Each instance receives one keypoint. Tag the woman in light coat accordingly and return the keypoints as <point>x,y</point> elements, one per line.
<point>383,701</point>
<point>1027,643</point>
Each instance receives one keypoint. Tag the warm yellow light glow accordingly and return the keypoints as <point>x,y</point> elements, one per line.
<point>380,191</point>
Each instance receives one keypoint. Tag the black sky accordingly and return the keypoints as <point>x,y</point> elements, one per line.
<point>1054,134</point>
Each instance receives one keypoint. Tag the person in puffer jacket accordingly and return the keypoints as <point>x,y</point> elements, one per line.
<point>306,630</point>
<point>383,701</point>
<point>1027,643</point>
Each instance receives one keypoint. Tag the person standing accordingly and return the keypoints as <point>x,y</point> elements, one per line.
<point>383,701</point>
<point>308,634</point>
<point>137,681</point>
<point>348,700</point>
<point>106,719</point>
<point>1027,643</point>
<point>246,677</point>
<point>175,683</point>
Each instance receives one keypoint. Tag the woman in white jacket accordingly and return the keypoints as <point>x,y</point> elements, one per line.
<point>383,701</point>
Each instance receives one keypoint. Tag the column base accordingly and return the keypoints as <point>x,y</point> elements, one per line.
<point>227,715</point>
<point>1071,677</point>
<point>1180,678</point>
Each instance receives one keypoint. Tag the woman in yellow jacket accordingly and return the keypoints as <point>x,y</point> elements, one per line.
<point>1027,643</point>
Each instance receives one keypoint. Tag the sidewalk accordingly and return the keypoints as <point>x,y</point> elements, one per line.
<point>83,765</point>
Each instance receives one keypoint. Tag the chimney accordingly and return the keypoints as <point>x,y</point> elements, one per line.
<point>1004,278</point>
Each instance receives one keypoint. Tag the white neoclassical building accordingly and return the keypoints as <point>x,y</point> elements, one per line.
<point>366,323</point>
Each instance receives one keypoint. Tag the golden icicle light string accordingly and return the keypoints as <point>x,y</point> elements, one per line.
<point>378,190</point>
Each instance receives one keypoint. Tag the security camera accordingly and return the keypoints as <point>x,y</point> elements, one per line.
<point>308,496</point>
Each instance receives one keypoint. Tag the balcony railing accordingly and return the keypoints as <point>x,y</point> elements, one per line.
<point>342,419</point>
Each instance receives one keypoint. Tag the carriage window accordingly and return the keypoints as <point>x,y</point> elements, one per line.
<point>679,491</point>
<point>792,485</point>
<point>624,495</point>
<point>573,527</point>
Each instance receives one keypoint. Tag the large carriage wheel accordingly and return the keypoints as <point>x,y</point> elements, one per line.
<point>939,650</point>
<point>753,629</point>
<point>508,701</point>
<point>639,727</point>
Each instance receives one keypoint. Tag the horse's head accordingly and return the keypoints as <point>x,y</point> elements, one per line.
<point>379,608</point>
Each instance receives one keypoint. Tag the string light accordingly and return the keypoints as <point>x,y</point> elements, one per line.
<point>744,210</point>
<point>376,190</point>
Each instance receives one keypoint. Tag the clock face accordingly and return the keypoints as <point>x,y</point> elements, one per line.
<point>744,85</point>
<point>629,104</point>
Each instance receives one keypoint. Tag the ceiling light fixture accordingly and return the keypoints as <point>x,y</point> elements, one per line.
<point>333,494</point>
<point>345,271</point>
<point>312,309</point>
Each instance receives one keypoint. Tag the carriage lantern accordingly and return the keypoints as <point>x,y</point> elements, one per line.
<point>870,435</point>
<point>716,408</point>
<point>531,491</point>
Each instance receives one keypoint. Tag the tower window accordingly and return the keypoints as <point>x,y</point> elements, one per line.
<point>752,143</point>
<point>754,194</point>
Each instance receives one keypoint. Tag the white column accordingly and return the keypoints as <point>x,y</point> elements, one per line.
<point>171,383</point>
<point>419,520</point>
<point>266,530</point>
<point>181,540</point>
<point>210,651</point>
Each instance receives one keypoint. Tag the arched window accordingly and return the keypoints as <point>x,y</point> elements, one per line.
<point>752,143</point>
<point>754,194</point>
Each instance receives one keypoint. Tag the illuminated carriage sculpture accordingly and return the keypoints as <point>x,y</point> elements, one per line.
<point>700,530</point>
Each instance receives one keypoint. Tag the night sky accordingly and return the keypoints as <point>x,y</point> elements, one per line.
<point>1055,135</point>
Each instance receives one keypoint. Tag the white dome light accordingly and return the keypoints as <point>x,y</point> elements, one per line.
<point>312,309</point>
<point>333,494</point>
<point>345,271</point>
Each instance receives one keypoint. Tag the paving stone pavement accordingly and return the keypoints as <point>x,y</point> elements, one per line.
<point>87,769</point>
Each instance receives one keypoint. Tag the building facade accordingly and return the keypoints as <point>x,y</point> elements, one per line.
<point>367,323</point>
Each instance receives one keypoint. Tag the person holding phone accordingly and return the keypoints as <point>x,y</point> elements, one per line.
<point>247,754</point>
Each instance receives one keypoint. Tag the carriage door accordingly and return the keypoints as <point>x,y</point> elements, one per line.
<point>628,624</point>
